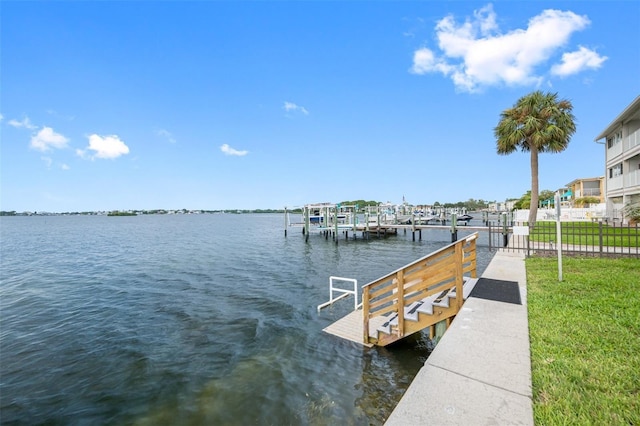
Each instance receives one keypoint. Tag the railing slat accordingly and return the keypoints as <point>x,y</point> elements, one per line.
<point>400,308</point>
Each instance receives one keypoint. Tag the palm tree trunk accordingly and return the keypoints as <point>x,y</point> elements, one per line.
<point>533,208</point>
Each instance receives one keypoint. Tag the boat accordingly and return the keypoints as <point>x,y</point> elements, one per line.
<point>423,219</point>
<point>319,219</point>
<point>325,214</point>
<point>464,218</point>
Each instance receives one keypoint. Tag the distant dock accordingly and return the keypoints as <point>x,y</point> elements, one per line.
<point>333,220</point>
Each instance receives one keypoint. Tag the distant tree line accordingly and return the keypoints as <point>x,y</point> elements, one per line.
<point>360,203</point>
<point>119,213</point>
<point>470,205</point>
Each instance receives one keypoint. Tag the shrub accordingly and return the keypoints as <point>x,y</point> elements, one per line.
<point>583,201</point>
<point>632,212</point>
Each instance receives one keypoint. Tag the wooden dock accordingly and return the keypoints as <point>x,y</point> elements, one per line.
<point>426,292</point>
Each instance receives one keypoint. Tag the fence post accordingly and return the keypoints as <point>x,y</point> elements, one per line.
<point>600,236</point>
<point>558,233</point>
<point>505,234</point>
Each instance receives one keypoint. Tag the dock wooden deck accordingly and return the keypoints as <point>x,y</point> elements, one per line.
<point>350,327</point>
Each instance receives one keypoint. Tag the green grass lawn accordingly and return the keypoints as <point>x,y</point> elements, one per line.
<point>585,341</point>
<point>587,233</point>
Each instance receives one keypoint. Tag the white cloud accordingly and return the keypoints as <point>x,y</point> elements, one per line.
<point>47,139</point>
<point>574,62</point>
<point>291,107</point>
<point>230,151</point>
<point>108,147</point>
<point>64,167</point>
<point>25,123</point>
<point>474,54</point>
<point>166,134</point>
<point>1,117</point>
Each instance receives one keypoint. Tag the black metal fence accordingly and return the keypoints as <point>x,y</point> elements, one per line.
<point>577,238</point>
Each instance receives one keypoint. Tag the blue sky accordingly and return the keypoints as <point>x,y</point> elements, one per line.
<point>225,105</point>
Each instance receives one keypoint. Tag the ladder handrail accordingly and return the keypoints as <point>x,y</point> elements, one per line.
<point>344,292</point>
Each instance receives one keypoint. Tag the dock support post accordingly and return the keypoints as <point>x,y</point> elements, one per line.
<point>413,226</point>
<point>366,226</point>
<point>440,327</point>
<point>286,222</point>
<point>335,222</point>
<point>454,229</point>
<point>354,218</point>
<point>305,229</point>
<point>365,314</point>
<point>490,235</point>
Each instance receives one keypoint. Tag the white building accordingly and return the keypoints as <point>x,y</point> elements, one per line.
<point>621,139</point>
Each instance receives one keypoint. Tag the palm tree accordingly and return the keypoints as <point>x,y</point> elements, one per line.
<point>538,122</point>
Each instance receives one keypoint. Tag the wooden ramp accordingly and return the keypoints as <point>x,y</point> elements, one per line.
<point>419,295</point>
<point>350,327</point>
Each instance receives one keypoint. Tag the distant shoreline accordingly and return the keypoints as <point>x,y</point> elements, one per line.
<point>144,212</point>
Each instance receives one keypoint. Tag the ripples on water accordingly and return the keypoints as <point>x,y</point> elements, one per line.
<point>200,319</point>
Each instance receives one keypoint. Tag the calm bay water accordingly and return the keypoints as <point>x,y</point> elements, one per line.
<point>192,319</point>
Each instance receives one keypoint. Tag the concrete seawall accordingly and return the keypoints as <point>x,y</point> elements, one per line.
<point>480,371</point>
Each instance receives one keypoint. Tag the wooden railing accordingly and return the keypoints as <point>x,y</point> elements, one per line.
<point>434,273</point>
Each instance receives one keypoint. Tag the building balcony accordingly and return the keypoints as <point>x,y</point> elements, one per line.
<point>632,179</point>
<point>615,183</point>
<point>614,151</point>
<point>632,141</point>
<point>590,192</point>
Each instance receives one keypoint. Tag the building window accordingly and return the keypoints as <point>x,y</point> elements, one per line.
<point>614,140</point>
<point>615,171</point>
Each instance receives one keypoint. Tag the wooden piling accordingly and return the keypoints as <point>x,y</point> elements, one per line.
<point>286,222</point>
<point>454,229</point>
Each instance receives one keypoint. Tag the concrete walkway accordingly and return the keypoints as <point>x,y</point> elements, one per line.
<point>480,371</point>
